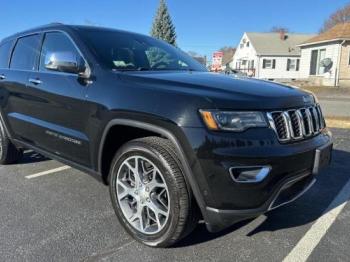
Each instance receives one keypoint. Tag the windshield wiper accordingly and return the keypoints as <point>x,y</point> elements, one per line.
<point>152,69</point>
<point>131,69</point>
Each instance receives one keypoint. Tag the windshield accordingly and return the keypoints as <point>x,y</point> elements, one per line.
<point>125,51</point>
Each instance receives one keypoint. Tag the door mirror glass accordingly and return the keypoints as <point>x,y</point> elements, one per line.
<point>64,62</point>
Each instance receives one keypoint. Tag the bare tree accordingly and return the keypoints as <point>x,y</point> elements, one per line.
<point>277,29</point>
<point>228,54</point>
<point>341,15</point>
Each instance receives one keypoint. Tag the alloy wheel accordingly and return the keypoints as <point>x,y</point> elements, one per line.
<point>143,195</point>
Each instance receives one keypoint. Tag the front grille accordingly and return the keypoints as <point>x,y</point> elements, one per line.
<point>297,124</point>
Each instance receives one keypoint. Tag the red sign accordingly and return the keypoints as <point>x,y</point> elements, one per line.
<point>217,61</point>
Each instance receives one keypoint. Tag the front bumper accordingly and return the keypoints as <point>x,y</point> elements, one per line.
<point>290,190</point>
<point>228,202</point>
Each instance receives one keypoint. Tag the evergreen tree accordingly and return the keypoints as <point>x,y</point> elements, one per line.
<point>163,27</point>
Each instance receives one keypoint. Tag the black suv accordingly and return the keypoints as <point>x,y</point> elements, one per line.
<point>174,142</point>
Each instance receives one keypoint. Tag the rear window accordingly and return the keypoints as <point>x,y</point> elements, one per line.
<point>26,53</point>
<point>5,49</point>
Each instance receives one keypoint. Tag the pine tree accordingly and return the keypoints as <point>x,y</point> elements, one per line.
<point>163,27</point>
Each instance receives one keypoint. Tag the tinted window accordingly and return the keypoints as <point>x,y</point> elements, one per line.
<point>26,52</point>
<point>56,43</point>
<point>128,51</point>
<point>5,49</point>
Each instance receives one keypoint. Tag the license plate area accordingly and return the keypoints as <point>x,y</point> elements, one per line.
<point>323,157</point>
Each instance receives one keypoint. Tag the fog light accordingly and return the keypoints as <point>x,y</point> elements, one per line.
<point>249,174</point>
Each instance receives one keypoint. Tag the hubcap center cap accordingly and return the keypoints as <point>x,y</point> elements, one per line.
<point>144,195</point>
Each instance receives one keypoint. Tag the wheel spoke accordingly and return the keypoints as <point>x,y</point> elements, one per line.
<point>127,190</point>
<point>154,183</point>
<point>161,200</point>
<point>142,194</point>
<point>157,210</point>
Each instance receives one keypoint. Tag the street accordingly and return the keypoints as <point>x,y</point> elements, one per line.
<point>50,212</point>
<point>336,107</point>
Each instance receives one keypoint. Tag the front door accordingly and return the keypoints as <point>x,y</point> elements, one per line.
<point>45,107</point>
<point>60,112</point>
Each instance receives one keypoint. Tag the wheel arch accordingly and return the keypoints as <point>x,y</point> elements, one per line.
<point>162,132</point>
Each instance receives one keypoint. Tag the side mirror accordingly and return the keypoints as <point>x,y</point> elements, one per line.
<point>65,62</point>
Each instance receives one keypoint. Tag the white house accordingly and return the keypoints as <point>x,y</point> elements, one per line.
<point>272,56</point>
<point>325,59</point>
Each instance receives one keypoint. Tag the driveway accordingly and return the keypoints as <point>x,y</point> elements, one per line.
<point>50,212</point>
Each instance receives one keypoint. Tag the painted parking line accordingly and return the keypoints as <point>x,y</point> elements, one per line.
<point>47,172</point>
<point>310,240</point>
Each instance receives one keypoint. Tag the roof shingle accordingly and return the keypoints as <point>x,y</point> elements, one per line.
<point>272,44</point>
<point>339,31</point>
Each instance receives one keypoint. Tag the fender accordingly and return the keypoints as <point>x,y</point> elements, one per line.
<point>169,135</point>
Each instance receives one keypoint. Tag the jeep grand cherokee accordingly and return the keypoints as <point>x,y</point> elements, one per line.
<point>174,142</point>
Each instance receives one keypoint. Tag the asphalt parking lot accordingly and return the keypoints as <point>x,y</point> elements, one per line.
<point>66,216</point>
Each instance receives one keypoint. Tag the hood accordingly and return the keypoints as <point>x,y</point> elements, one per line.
<point>225,92</point>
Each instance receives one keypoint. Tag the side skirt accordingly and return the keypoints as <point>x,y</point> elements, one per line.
<point>82,168</point>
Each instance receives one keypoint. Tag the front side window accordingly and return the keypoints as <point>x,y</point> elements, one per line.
<point>124,51</point>
<point>55,44</point>
<point>26,52</point>
<point>5,49</point>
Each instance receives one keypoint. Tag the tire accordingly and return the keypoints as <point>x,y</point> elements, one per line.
<point>9,153</point>
<point>158,165</point>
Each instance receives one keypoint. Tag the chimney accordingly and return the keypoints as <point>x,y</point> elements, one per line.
<point>283,35</point>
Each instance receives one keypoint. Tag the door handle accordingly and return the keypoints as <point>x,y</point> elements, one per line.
<point>35,81</point>
<point>2,77</point>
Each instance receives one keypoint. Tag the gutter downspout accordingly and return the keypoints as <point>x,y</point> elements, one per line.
<point>336,82</point>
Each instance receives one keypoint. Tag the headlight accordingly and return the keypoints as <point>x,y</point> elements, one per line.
<point>231,120</point>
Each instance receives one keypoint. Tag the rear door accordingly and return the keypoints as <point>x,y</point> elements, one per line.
<point>14,96</point>
<point>5,52</point>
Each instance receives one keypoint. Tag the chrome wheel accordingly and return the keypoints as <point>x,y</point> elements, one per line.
<point>143,195</point>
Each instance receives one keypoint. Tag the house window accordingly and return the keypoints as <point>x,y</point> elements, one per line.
<point>244,62</point>
<point>315,64</point>
<point>241,45</point>
<point>248,44</point>
<point>269,63</point>
<point>293,64</point>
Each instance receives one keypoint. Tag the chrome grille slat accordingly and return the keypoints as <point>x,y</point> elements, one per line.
<point>322,122</point>
<point>300,116</point>
<point>317,123</point>
<point>296,124</point>
<point>309,120</point>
